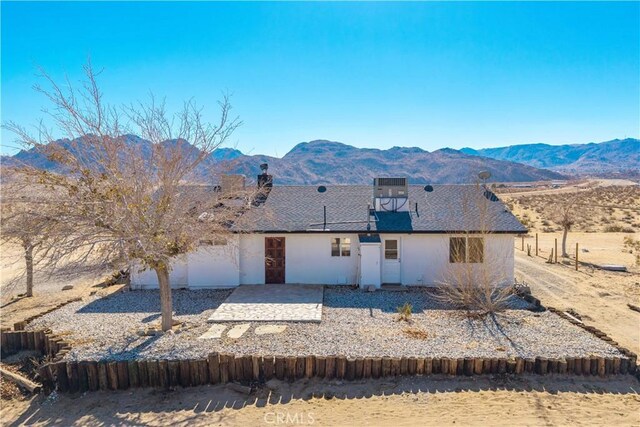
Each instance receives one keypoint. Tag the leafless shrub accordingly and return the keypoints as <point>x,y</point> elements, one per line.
<point>475,281</point>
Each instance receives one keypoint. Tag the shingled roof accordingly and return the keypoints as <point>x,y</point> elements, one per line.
<point>445,209</point>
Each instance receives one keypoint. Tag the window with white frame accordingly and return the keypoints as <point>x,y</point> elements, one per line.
<point>341,246</point>
<point>466,249</point>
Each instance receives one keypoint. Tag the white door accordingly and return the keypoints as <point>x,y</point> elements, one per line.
<point>391,261</point>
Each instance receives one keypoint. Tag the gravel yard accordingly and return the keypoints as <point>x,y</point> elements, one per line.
<point>354,323</point>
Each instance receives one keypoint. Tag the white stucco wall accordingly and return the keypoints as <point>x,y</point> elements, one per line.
<point>309,260</point>
<point>252,259</point>
<point>424,260</point>
<point>215,266</point>
<point>208,267</point>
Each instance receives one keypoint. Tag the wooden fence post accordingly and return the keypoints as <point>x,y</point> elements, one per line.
<point>522,242</point>
<point>576,256</point>
<point>556,250</point>
<point>536,244</point>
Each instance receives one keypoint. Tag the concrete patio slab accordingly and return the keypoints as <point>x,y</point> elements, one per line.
<point>215,331</point>
<point>238,330</point>
<point>271,303</point>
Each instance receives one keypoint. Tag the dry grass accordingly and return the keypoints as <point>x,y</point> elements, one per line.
<point>416,333</point>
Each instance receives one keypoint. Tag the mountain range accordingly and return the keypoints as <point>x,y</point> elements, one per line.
<point>618,155</point>
<point>330,162</point>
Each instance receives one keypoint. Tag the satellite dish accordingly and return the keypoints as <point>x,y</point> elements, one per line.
<point>484,175</point>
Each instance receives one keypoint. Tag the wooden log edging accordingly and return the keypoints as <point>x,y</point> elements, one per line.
<point>74,376</point>
<point>44,341</point>
<point>607,364</point>
<point>71,376</point>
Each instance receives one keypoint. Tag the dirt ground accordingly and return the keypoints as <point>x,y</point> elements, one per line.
<point>434,401</point>
<point>600,296</point>
<point>47,287</point>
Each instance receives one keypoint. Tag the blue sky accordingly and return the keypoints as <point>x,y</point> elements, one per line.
<point>367,74</point>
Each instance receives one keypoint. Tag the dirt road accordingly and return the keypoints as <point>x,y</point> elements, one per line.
<point>600,296</point>
<point>433,401</point>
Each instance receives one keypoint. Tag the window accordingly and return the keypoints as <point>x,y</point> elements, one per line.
<point>457,249</point>
<point>390,249</point>
<point>462,249</point>
<point>335,247</point>
<point>340,246</point>
<point>345,247</point>
<point>217,241</point>
<point>476,249</point>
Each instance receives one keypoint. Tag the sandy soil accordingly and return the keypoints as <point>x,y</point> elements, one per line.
<point>47,287</point>
<point>603,248</point>
<point>601,297</point>
<point>406,402</point>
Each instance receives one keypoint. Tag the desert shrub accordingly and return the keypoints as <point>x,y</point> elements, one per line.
<point>405,311</point>
<point>633,245</point>
<point>618,229</point>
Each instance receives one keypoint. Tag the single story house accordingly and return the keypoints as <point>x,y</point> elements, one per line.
<point>387,233</point>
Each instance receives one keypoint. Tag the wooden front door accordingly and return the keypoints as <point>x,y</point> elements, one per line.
<point>274,259</point>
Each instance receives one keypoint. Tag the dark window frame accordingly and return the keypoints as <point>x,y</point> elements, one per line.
<point>466,250</point>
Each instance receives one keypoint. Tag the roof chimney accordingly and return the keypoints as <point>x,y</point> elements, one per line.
<point>264,179</point>
<point>265,183</point>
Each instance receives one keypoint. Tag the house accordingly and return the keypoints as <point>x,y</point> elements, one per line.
<point>387,233</point>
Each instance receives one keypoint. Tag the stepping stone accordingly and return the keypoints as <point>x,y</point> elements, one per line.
<point>214,331</point>
<point>238,330</point>
<point>270,329</point>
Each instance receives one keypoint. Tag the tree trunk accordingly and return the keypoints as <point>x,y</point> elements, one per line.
<point>166,306</point>
<point>28,257</point>
<point>564,243</point>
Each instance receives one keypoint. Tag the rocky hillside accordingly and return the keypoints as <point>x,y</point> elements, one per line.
<point>330,162</point>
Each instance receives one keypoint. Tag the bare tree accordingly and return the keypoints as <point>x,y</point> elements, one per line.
<point>475,279</point>
<point>25,227</point>
<point>133,201</point>
<point>565,216</point>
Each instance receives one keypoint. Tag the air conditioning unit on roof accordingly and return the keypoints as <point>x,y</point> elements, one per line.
<point>390,187</point>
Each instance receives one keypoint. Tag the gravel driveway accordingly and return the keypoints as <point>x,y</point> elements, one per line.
<point>354,323</point>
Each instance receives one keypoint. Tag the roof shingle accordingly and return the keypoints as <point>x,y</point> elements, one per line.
<point>446,209</point>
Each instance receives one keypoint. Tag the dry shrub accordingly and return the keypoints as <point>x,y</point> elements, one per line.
<point>475,279</point>
<point>416,333</point>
